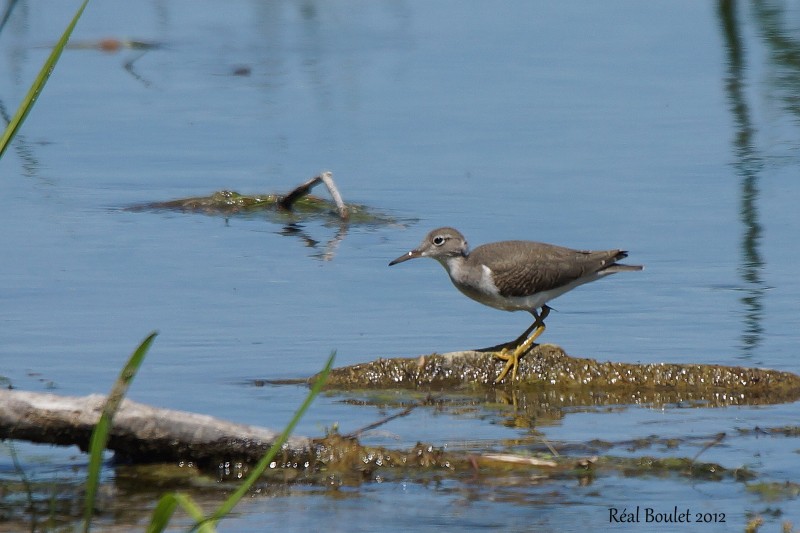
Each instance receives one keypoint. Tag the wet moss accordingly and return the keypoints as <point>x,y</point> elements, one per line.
<point>338,453</point>
<point>786,431</point>
<point>342,460</point>
<point>680,466</point>
<point>228,203</point>
<point>223,202</point>
<point>547,368</point>
<point>774,491</point>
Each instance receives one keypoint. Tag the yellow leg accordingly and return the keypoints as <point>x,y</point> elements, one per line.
<point>513,358</point>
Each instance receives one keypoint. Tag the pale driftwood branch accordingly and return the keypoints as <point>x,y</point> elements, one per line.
<point>327,179</point>
<point>140,432</point>
<point>518,459</point>
<point>305,188</point>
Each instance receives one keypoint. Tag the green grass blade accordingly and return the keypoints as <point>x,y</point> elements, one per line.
<point>166,507</point>
<point>99,438</point>
<point>38,84</point>
<point>162,513</point>
<point>262,465</point>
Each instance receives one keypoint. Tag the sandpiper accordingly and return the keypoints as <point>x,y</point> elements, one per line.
<point>516,276</point>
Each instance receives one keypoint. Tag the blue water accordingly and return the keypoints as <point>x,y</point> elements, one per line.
<point>591,125</point>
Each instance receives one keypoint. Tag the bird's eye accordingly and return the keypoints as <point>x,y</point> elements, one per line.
<point>438,240</point>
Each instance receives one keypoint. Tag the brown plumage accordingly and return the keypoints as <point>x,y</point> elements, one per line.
<point>516,275</point>
<point>522,268</point>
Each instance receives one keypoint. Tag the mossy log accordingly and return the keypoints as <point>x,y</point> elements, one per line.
<point>142,434</point>
<point>548,380</point>
<point>296,204</point>
<point>547,367</point>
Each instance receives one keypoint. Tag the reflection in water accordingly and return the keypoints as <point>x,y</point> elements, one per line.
<point>128,65</point>
<point>287,210</point>
<point>296,230</point>
<point>30,164</point>
<point>748,164</point>
<point>783,47</point>
<point>7,14</point>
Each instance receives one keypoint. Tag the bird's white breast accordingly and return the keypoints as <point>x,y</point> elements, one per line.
<point>479,285</point>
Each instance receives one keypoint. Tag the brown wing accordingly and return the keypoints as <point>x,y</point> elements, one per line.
<point>521,268</point>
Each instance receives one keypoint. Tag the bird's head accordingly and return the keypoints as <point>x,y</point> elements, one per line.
<point>440,244</point>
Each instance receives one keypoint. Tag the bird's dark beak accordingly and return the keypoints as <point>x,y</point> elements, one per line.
<point>413,254</point>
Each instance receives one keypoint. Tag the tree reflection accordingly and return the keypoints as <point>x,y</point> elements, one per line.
<point>748,165</point>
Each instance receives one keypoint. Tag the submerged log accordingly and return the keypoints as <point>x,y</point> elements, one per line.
<point>547,367</point>
<point>144,435</point>
<point>549,381</point>
<point>291,210</point>
<point>297,204</point>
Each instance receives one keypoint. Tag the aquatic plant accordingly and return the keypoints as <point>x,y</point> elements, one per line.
<point>38,84</point>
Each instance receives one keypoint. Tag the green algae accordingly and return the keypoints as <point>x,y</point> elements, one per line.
<point>774,491</point>
<point>578,381</point>
<point>339,461</point>
<point>786,431</point>
<point>231,203</point>
<point>346,461</point>
<point>680,466</point>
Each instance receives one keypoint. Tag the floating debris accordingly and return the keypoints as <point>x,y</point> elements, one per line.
<point>113,44</point>
<point>297,204</point>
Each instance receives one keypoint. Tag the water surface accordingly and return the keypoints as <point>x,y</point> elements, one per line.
<point>668,129</point>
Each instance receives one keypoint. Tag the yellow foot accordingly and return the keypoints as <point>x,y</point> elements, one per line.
<point>511,364</point>
<point>512,359</point>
